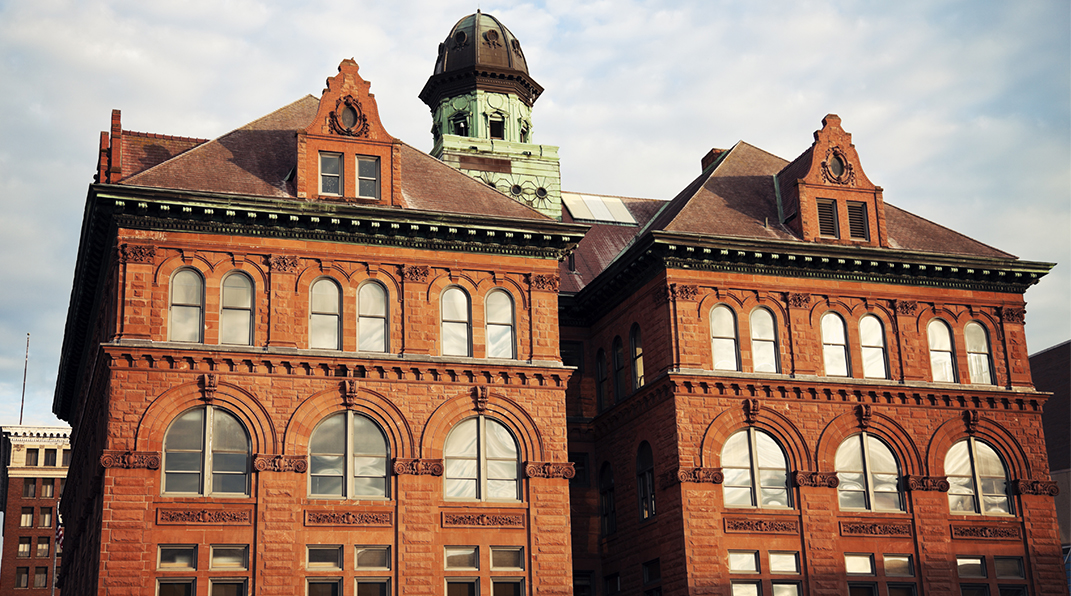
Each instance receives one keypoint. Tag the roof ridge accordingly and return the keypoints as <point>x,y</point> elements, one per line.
<point>757,148</point>
<point>156,135</point>
<point>960,234</point>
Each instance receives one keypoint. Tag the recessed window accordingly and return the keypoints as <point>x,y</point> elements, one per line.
<point>764,342</point>
<point>26,519</point>
<point>44,520</point>
<point>746,589</point>
<point>456,323</point>
<point>787,563</point>
<point>324,587</point>
<point>236,311</point>
<point>460,126</point>
<point>827,218</point>
<point>187,301</point>
<point>507,586</point>
<point>482,461</point>
<point>372,318</point>
<point>497,128</point>
<point>743,561</point>
<point>462,587</point>
<point>373,586</point>
<point>324,315</point>
<point>22,577</point>
<point>373,557</point>
<point>756,471</point>
<point>324,557</point>
<point>50,458</point>
<point>31,457</point>
<point>942,362</point>
<point>507,557</point>
<point>348,440</point>
<point>607,508</point>
<point>970,566</point>
<point>645,480</point>
<point>834,345</point>
<point>580,467</point>
<point>978,360</point>
<point>230,557</point>
<point>899,566</point>
<point>858,228</point>
<point>43,547</point>
<point>190,468</point>
<point>66,457</point>
<point>619,370</point>
<point>636,348</point>
<point>859,564</point>
<point>331,173</point>
<point>499,313</point>
<point>723,338</point>
<point>1009,567</point>
<point>868,474</point>
<point>600,380</point>
<point>652,574</point>
<point>368,177</point>
<point>872,340</point>
<point>179,556</point>
<point>462,557</point>
<point>48,488</point>
<point>971,464</point>
<point>227,587</point>
<point>24,547</point>
<point>793,589</point>
<point>40,577</point>
<point>29,488</point>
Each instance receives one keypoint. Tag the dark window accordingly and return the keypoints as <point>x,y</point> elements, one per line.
<point>619,370</point>
<point>24,547</point>
<point>827,218</point>
<point>50,457</point>
<point>857,222</point>
<point>460,127</point>
<point>177,587</point>
<point>580,466</point>
<point>652,574</point>
<point>645,480</point>
<point>31,457</point>
<point>324,587</point>
<point>40,577</point>
<point>582,583</point>
<point>600,380</point>
<point>29,488</point>
<point>612,584</point>
<point>636,345</point>
<point>498,129</point>
<point>66,457</point>
<point>573,355</point>
<point>22,577</point>
<point>607,510</point>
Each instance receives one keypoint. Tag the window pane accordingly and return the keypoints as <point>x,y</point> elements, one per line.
<point>939,336</point>
<point>725,354</point>
<point>367,188</point>
<point>463,588</point>
<point>770,454</point>
<point>976,339</point>
<point>746,589</point>
<point>327,465</point>
<point>832,329</point>
<point>186,323</point>
<point>229,483</point>
<point>461,557</point>
<point>502,470</point>
<point>898,566</point>
<point>186,288</point>
<point>970,566</point>
<point>374,557</point>
<point>455,339</point>
<point>227,433</point>
<point>941,366</point>
<point>229,462</point>
<point>784,563</point>
<point>500,443</point>
<point>987,460</point>
<point>455,305</point>
<point>366,168</point>
<point>367,437</point>
<point>852,500</point>
<point>499,341</point>
<point>736,452</point>
<point>506,588</point>
<point>323,588</point>
<point>182,483</point>
<point>499,308</point>
<point>849,456</point>
<point>762,325</point>
<point>369,466</point>
<point>323,332</point>
<point>859,564</point>
<point>978,364</point>
<point>176,589</point>
<point>506,558</point>
<point>836,361</point>
<point>237,292</point>
<point>325,556</point>
<point>744,561</point>
<point>185,432</point>
<point>958,460</point>
<point>722,322</point>
<point>786,589</point>
<point>462,439</point>
<point>367,587</point>
<point>460,489</point>
<point>327,485</point>
<point>774,497</point>
<point>325,297</point>
<point>502,489</point>
<point>373,334</point>
<point>874,363</point>
<point>1009,567</point>
<point>329,163</point>
<point>764,356</point>
<point>235,327</point>
<point>232,557</point>
<point>737,476</point>
<point>372,300</point>
<point>330,436</point>
<point>228,588</point>
<point>881,458</point>
<point>178,557</point>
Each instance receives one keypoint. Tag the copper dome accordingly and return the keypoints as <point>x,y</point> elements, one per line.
<point>480,53</point>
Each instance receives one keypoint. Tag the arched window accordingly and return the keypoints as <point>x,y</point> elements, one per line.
<point>868,474</point>
<point>978,353</point>
<point>942,362</point>
<point>348,457</point>
<point>325,321</point>
<point>482,461</point>
<point>764,342</point>
<point>456,318</point>
<point>499,312</point>
<point>619,370</point>
<point>187,302</point>
<point>636,347</point>
<point>372,318</point>
<point>723,338</point>
<point>600,380</point>
<point>206,439</point>
<point>236,310</point>
<point>970,464</point>
<point>834,345</point>
<point>645,480</point>
<point>872,340</point>
<point>752,454</point>
<point>607,508</point>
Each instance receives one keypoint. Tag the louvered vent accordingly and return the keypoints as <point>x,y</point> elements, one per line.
<point>827,218</point>
<point>857,221</point>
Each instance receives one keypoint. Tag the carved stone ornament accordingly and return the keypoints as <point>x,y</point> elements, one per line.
<point>869,529</point>
<point>209,385</point>
<point>836,168</point>
<point>752,407</point>
<point>349,392</point>
<point>986,532</point>
<point>1045,488</point>
<point>927,483</point>
<point>796,300</point>
<point>1013,315</point>
<point>546,283</point>
<point>137,253</point>
<point>418,467</point>
<point>348,118</point>
<point>480,396</point>
<point>905,307</point>
<point>417,273</point>
<point>283,263</point>
<point>762,526</point>
<point>229,517</point>
<point>865,412</point>
<point>816,479</point>
<point>547,469</point>
<point>971,418</point>
<point>348,518</point>
<point>483,520</point>
<point>280,463</point>
<point>683,291</point>
<point>701,475</point>
<point>129,460</point>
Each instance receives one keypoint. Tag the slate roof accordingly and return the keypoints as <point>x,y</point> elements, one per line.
<point>143,150</point>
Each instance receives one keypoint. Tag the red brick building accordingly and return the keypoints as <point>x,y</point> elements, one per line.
<point>306,358</point>
<point>35,460</point>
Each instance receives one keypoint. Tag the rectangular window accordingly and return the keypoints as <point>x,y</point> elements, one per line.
<point>507,557</point>
<point>859,564</point>
<point>743,561</point>
<point>652,571</point>
<point>368,177</point>
<point>26,519</point>
<point>899,566</point>
<point>573,355</point>
<point>48,488</point>
<point>970,566</point>
<point>747,589</point>
<point>827,218</point>
<point>497,129</point>
<point>902,590</point>
<point>50,457</point>
<point>178,557</point>
<point>43,546</point>
<point>227,587</point>
<point>229,557</point>
<point>969,590</point>
<point>582,583</point>
<point>24,547</point>
<point>507,587</point>
<point>330,174</point>
<point>373,586</point>
<point>787,589</point>
<point>29,488</point>
<point>22,577</point>
<point>373,557</point>
<point>325,587</point>
<point>461,587</point>
<point>31,457</point>
<point>175,587</point>
<point>40,577</point>
<point>66,458</point>
<point>462,557</point>
<point>325,557</point>
<point>786,563</point>
<point>612,584</point>
<point>62,483</point>
<point>857,221</point>
<point>45,519</point>
<point>1009,567</point>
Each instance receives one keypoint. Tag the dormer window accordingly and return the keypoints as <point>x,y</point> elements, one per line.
<point>857,221</point>
<point>498,129</point>
<point>368,177</point>
<point>330,173</point>
<point>827,218</point>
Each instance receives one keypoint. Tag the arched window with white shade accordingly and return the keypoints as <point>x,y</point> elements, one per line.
<point>978,479</point>
<point>764,341</point>
<point>869,475</point>
<point>456,323</point>
<point>723,338</point>
<point>348,458</point>
<point>500,328</point>
<point>325,321</point>
<point>872,340</point>
<point>236,310</point>
<point>942,357</point>
<point>978,357</point>
<point>482,462</point>
<point>756,471</point>
<point>372,318</point>
<point>206,451</point>
<point>835,345</point>
<point>187,306</point>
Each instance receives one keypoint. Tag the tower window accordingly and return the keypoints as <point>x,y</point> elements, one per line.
<point>498,129</point>
<point>857,221</point>
<point>460,127</point>
<point>827,218</point>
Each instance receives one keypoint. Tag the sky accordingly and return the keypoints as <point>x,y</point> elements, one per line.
<point>959,109</point>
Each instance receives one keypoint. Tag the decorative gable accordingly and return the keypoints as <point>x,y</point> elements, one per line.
<point>824,195</point>
<point>346,154</point>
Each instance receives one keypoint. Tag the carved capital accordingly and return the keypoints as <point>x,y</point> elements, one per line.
<point>137,253</point>
<point>1045,488</point>
<point>1013,315</point>
<point>418,467</point>
<point>546,469</point>
<point>816,479</point>
<point>280,463</point>
<point>927,483</point>
<point>905,307</point>
<point>684,291</point>
<point>149,460</point>
<point>796,300</point>
<point>700,475</point>
<point>283,263</point>
<point>416,273</point>
<point>545,283</point>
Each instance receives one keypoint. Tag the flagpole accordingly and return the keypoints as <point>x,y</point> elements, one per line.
<point>25,365</point>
